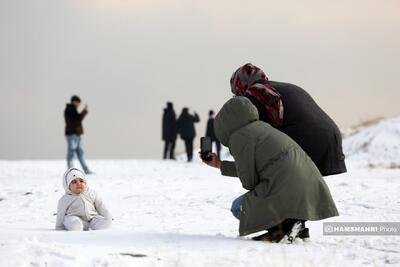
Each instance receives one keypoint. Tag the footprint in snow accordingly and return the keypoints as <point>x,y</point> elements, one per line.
<point>364,205</point>
<point>134,255</point>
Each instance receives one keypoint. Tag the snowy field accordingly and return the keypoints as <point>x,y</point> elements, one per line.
<point>177,214</point>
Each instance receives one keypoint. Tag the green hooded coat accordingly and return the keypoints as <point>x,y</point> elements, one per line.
<point>283,182</point>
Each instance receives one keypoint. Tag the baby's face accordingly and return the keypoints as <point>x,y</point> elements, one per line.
<point>77,186</point>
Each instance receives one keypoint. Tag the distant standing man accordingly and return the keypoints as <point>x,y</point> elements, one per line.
<point>169,131</point>
<point>187,131</point>
<point>74,130</point>
<point>210,131</point>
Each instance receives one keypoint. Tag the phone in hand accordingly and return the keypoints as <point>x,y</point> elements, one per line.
<point>205,148</point>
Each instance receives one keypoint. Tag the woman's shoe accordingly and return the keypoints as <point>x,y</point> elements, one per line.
<point>286,232</point>
<point>293,233</point>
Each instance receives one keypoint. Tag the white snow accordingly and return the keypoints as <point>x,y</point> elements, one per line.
<point>171,213</point>
<point>377,145</point>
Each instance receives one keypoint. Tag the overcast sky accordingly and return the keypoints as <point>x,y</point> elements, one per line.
<point>127,58</point>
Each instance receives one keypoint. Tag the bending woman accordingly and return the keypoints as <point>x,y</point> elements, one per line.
<point>293,111</point>
<point>285,188</point>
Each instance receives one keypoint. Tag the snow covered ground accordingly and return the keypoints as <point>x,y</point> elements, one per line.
<point>377,145</point>
<point>177,214</point>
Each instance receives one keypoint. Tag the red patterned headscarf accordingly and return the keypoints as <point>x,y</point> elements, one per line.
<point>250,80</point>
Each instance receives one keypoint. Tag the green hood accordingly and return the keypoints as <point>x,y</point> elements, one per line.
<point>235,114</point>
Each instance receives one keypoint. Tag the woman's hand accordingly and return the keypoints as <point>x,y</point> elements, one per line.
<point>214,162</point>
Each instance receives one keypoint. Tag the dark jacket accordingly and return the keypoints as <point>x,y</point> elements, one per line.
<point>210,129</point>
<point>169,125</point>
<point>307,124</point>
<point>282,180</point>
<point>73,120</point>
<point>186,125</point>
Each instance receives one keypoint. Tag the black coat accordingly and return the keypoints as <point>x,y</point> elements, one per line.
<point>186,125</point>
<point>73,120</point>
<point>307,124</point>
<point>169,125</point>
<point>210,130</point>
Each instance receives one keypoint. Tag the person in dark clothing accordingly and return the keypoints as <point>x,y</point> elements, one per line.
<point>73,132</point>
<point>210,132</point>
<point>292,110</point>
<point>187,131</point>
<point>169,131</point>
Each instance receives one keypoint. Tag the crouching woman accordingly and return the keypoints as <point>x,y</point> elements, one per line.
<point>285,188</point>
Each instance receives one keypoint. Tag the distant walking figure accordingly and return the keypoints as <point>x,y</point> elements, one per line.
<point>210,131</point>
<point>73,132</point>
<point>187,131</point>
<point>291,110</point>
<point>169,131</point>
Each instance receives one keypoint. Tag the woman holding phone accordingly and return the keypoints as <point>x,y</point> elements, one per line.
<point>285,188</point>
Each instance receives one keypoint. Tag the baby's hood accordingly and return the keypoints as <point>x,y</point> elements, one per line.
<point>70,175</point>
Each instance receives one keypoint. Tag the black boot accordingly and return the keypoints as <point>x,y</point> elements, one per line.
<point>277,232</point>
<point>284,230</point>
<point>304,233</point>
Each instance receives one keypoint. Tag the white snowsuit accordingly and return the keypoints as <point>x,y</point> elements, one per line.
<point>77,212</point>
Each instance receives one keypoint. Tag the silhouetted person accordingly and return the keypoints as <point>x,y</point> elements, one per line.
<point>210,131</point>
<point>187,131</point>
<point>169,131</point>
<point>73,132</point>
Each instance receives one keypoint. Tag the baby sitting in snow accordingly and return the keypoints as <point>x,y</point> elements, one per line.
<point>80,208</point>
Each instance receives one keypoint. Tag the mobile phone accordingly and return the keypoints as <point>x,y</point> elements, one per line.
<point>205,148</point>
